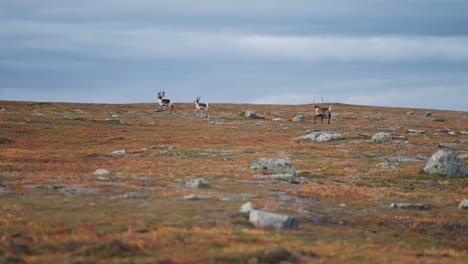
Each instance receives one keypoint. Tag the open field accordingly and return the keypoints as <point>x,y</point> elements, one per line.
<point>53,209</point>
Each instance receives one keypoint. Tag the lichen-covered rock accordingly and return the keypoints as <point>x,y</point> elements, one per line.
<point>299,118</point>
<point>251,114</point>
<point>246,208</point>
<point>261,219</point>
<point>319,136</point>
<point>197,183</point>
<point>445,162</point>
<point>274,166</point>
<point>381,137</point>
<point>463,204</point>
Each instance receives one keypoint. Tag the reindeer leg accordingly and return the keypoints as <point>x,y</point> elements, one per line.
<point>315,117</point>
<point>329,117</point>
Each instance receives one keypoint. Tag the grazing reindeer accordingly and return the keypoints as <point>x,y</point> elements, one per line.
<point>200,107</point>
<point>163,103</point>
<point>322,112</point>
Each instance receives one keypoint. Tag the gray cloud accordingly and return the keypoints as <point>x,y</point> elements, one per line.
<point>230,51</point>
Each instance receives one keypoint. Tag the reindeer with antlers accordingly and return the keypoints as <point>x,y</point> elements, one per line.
<point>322,112</point>
<point>164,103</point>
<point>200,107</point>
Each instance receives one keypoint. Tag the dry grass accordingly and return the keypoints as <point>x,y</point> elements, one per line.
<point>54,210</point>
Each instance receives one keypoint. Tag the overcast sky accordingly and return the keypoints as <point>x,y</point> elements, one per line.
<point>405,53</point>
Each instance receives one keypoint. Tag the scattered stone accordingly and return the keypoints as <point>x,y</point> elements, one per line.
<point>299,118</point>
<point>445,162</point>
<point>445,130</point>
<point>3,108</point>
<point>463,204</point>
<point>447,145</point>
<point>402,138</point>
<point>277,119</point>
<point>217,123</point>
<point>439,119</point>
<point>39,114</point>
<point>194,197</point>
<point>416,131</point>
<point>282,168</point>
<point>428,114</point>
<point>411,113</point>
<point>104,179</point>
<point>246,208</point>
<point>197,183</point>
<point>464,133</point>
<point>409,206</point>
<point>251,114</point>
<point>319,136</point>
<point>386,165</point>
<point>381,137</point>
<point>261,219</point>
<point>118,153</point>
<point>101,172</point>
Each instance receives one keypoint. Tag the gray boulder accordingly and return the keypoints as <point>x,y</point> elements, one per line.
<point>463,204</point>
<point>319,136</point>
<point>197,183</point>
<point>280,168</point>
<point>118,153</point>
<point>381,137</point>
<point>299,118</point>
<point>445,162</point>
<point>246,208</point>
<point>251,114</point>
<point>261,219</point>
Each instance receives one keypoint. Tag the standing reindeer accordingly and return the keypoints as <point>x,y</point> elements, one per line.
<point>200,107</point>
<point>322,112</point>
<point>163,103</point>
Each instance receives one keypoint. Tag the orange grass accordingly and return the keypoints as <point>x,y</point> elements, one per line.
<point>54,210</point>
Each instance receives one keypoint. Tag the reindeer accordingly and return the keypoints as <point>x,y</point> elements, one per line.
<point>163,103</point>
<point>200,107</point>
<point>322,112</point>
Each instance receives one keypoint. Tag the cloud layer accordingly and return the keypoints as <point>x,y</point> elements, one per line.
<point>248,51</point>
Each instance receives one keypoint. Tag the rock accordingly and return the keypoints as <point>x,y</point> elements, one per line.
<point>104,179</point>
<point>411,113</point>
<point>464,133</point>
<point>246,208</point>
<point>217,123</point>
<point>101,172</point>
<point>386,165</point>
<point>261,219</point>
<point>299,118</point>
<point>445,130</point>
<point>428,114</point>
<point>319,136</point>
<point>197,183</point>
<point>402,138</point>
<point>439,119</point>
<point>416,131</point>
<point>277,119</point>
<point>251,114</point>
<point>463,204</point>
<point>445,162</point>
<point>194,197</point>
<point>409,206</point>
<point>118,153</point>
<point>281,167</point>
<point>381,137</point>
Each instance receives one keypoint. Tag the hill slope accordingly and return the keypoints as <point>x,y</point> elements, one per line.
<point>54,208</point>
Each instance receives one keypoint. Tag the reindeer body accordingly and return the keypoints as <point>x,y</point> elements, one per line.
<point>200,107</point>
<point>164,103</point>
<point>322,112</point>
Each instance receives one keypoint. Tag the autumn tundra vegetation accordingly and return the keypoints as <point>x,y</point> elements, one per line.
<point>126,183</point>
